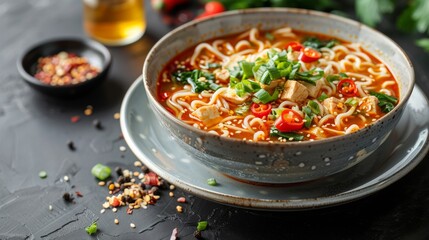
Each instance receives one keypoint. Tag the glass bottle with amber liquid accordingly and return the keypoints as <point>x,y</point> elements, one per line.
<point>114,22</point>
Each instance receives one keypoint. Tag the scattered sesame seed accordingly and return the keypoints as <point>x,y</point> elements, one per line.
<point>50,207</point>
<point>172,187</point>
<point>101,183</point>
<point>138,164</point>
<point>116,116</point>
<point>132,225</point>
<point>116,221</point>
<point>114,209</point>
<point>179,208</point>
<point>122,148</point>
<point>171,194</point>
<point>66,178</point>
<point>102,211</point>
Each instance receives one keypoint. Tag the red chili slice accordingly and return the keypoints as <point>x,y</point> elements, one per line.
<point>289,121</point>
<point>296,46</point>
<point>347,88</point>
<point>309,55</point>
<point>260,110</point>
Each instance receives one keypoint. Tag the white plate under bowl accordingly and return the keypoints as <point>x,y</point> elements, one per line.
<point>153,145</point>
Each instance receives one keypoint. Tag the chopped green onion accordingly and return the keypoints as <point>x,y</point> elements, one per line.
<point>247,68</point>
<point>263,96</point>
<point>343,75</point>
<point>43,174</point>
<point>269,36</point>
<point>322,97</point>
<point>241,110</point>
<point>91,229</point>
<point>202,225</point>
<point>101,171</point>
<point>213,65</point>
<point>211,182</point>
<point>313,106</point>
<point>351,101</point>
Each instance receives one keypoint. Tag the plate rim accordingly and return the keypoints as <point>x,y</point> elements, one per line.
<point>265,204</point>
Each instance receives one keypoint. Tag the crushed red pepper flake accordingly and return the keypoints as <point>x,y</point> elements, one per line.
<point>79,194</point>
<point>75,119</point>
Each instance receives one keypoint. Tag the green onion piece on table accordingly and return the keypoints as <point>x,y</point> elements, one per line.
<point>211,182</point>
<point>202,225</point>
<point>91,229</point>
<point>101,171</point>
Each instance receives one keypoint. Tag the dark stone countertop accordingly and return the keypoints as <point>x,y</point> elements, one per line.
<point>35,129</point>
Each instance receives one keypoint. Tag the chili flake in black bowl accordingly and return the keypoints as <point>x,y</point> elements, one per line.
<point>65,67</point>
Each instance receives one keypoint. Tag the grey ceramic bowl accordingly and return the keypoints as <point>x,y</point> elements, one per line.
<point>288,162</point>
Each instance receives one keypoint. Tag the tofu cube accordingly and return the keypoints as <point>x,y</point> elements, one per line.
<point>209,115</point>
<point>294,91</point>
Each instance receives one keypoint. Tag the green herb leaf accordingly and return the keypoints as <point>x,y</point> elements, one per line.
<point>317,44</point>
<point>386,102</point>
<point>101,171</point>
<point>213,65</point>
<point>310,76</point>
<point>269,36</point>
<point>91,229</point>
<point>291,136</point>
<point>202,225</point>
<point>199,80</point>
<point>420,15</point>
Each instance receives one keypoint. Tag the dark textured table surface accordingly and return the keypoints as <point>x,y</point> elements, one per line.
<point>35,129</point>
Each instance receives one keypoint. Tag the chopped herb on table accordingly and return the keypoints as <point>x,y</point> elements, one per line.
<point>101,171</point>
<point>43,174</point>
<point>211,182</point>
<point>202,225</point>
<point>91,229</point>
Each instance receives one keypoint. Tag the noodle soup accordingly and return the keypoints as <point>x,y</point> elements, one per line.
<point>279,85</point>
<point>218,87</point>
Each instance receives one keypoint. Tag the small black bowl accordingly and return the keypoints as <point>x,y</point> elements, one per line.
<point>96,54</point>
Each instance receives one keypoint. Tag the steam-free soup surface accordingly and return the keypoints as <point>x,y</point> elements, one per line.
<point>278,85</point>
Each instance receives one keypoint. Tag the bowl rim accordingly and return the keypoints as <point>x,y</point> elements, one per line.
<point>347,21</point>
<point>87,43</point>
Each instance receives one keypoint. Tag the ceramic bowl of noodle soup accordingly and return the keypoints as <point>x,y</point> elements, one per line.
<point>278,95</point>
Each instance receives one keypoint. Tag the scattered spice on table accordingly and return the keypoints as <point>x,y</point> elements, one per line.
<point>91,229</point>
<point>64,68</point>
<point>43,174</point>
<point>66,178</point>
<point>79,194</point>
<point>71,146</point>
<point>181,200</point>
<point>174,234</point>
<point>122,148</point>
<point>50,207</point>
<point>74,119</point>
<point>88,110</point>
<point>179,208</point>
<point>116,116</point>
<point>97,124</point>
<point>132,225</point>
<point>68,197</point>
<point>116,221</point>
